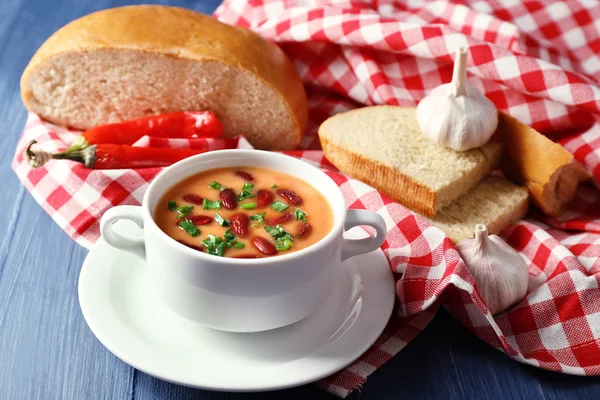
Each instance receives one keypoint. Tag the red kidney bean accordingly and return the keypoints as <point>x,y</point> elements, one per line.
<point>282,219</point>
<point>303,231</point>
<point>228,199</point>
<point>265,197</point>
<point>239,224</point>
<point>290,196</point>
<point>264,246</point>
<point>191,246</point>
<point>247,256</point>
<point>200,219</point>
<point>245,175</point>
<point>194,199</point>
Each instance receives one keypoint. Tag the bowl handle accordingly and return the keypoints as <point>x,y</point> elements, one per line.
<point>133,245</point>
<point>354,247</point>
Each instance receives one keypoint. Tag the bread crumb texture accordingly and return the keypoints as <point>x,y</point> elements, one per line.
<point>495,202</point>
<point>130,62</point>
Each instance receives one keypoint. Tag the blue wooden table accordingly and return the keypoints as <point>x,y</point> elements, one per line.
<point>48,352</point>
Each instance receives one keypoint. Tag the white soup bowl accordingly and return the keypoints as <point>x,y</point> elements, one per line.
<point>242,295</point>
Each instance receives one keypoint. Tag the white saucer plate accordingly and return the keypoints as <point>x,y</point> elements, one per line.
<point>118,304</point>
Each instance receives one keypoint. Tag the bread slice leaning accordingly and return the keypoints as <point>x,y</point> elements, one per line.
<point>495,202</point>
<point>383,147</point>
<point>134,61</point>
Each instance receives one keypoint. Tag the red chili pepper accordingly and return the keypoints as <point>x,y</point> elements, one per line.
<point>114,156</point>
<point>180,124</point>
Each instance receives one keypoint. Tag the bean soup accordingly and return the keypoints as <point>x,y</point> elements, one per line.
<point>244,212</point>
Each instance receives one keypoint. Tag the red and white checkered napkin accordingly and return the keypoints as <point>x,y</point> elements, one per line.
<point>538,62</point>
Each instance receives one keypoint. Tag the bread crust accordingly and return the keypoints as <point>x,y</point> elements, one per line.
<point>183,34</point>
<point>399,187</point>
<point>548,170</point>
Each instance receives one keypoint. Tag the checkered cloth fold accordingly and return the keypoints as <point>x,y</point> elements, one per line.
<point>538,61</point>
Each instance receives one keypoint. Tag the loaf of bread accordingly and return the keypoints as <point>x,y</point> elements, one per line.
<point>383,147</point>
<point>134,61</point>
<point>548,170</point>
<point>495,202</point>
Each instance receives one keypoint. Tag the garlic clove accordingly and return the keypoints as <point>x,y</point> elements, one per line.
<point>499,271</point>
<point>456,114</point>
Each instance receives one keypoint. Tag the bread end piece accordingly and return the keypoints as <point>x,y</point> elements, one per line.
<point>547,169</point>
<point>495,202</point>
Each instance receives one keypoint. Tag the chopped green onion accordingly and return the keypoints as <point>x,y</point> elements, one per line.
<point>216,185</point>
<point>274,186</point>
<point>279,233</point>
<point>183,211</point>
<point>221,221</point>
<point>211,240</point>
<point>190,228</point>
<point>246,191</point>
<point>208,205</point>
<point>259,218</point>
<point>228,235</point>
<point>219,250</point>
<point>300,215</point>
<point>216,246</point>
<point>244,195</point>
<point>286,236</point>
<point>279,206</point>
<point>273,231</point>
<point>283,245</point>
<point>239,245</point>
<point>248,206</point>
<point>172,204</point>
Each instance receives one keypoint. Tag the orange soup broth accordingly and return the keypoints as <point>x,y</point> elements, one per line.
<point>319,213</point>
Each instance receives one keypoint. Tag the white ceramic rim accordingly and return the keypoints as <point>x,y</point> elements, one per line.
<point>337,203</point>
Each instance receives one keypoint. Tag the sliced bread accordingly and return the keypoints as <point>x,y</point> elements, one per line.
<point>134,61</point>
<point>383,147</point>
<point>495,202</point>
<point>548,170</point>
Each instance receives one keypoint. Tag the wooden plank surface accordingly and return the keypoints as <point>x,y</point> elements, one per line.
<point>48,352</point>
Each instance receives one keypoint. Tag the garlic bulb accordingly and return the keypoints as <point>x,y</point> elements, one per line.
<point>457,115</point>
<point>501,274</point>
